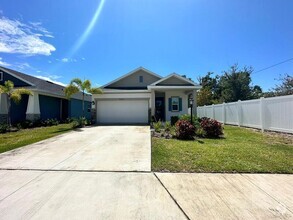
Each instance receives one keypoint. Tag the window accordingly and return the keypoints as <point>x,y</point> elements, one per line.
<point>1,76</point>
<point>141,79</point>
<point>175,104</point>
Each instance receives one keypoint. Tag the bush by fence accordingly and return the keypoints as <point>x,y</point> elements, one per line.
<point>275,114</point>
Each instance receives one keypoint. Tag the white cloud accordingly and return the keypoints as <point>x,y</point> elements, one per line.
<point>65,60</point>
<point>83,58</point>
<point>17,37</point>
<point>22,66</point>
<point>3,63</point>
<point>52,79</point>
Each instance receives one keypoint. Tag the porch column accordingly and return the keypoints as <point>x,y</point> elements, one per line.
<point>194,109</point>
<point>33,107</point>
<point>3,108</point>
<point>153,102</point>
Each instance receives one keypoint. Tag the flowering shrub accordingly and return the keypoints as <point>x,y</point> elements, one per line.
<point>184,130</point>
<point>195,120</point>
<point>212,128</point>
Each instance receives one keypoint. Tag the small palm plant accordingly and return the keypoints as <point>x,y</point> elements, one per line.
<point>77,85</point>
<point>12,94</point>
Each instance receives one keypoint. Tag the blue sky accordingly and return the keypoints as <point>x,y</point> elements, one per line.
<point>101,40</point>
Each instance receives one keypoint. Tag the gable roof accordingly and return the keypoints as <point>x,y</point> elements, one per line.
<point>176,76</point>
<point>40,84</point>
<point>130,73</point>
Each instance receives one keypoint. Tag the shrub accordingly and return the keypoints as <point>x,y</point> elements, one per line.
<point>157,126</point>
<point>174,119</point>
<point>185,130</point>
<point>50,122</point>
<point>200,132</point>
<point>195,120</point>
<point>79,122</point>
<point>211,127</point>
<point>4,128</point>
<point>26,124</point>
<point>168,126</point>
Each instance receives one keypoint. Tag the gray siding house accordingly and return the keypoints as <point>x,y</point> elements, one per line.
<point>140,94</point>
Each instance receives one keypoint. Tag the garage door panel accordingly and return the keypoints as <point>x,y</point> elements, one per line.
<point>124,111</point>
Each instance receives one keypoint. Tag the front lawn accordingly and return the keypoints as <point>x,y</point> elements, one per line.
<point>24,137</point>
<point>242,150</point>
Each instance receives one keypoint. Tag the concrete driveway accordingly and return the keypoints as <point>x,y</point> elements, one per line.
<point>105,148</point>
<point>104,173</point>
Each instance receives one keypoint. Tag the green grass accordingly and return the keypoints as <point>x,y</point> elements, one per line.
<point>24,137</point>
<point>242,150</point>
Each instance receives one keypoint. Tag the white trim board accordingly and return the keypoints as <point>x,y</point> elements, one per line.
<point>173,87</point>
<point>174,75</point>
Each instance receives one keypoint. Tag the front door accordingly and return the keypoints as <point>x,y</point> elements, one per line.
<point>160,109</point>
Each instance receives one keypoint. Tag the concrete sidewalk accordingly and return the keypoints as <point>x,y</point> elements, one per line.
<point>135,195</point>
<point>231,196</point>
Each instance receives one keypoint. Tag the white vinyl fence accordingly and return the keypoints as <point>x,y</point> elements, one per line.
<point>275,114</point>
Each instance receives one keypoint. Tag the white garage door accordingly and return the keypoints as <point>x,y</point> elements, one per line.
<point>125,111</point>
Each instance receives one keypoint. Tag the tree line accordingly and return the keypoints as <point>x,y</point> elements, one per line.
<point>236,84</point>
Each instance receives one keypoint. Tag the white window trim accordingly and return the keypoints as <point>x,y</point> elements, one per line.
<point>1,75</point>
<point>172,110</point>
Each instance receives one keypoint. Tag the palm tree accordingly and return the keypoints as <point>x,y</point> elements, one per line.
<point>77,85</point>
<point>12,94</point>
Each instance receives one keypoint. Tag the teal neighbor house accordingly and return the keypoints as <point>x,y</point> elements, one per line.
<point>47,102</point>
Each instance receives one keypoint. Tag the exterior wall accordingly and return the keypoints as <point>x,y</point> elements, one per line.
<point>18,111</point>
<point>17,82</point>
<point>181,94</point>
<point>75,108</point>
<point>49,107</point>
<point>133,80</point>
<point>174,81</point>
<point>3,108</point>
<point>124,95</point>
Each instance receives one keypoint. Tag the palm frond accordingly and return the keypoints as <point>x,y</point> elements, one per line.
<point>86,85</point>
<point>77,82</point>
<point>15,97</point>
<point>23,91</point>
<point>95,91</point>
<point>2,89</point>
<point>9,85</point>
<point>70,90</point>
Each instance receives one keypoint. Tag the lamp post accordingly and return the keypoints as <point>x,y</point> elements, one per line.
<point>191,105</point>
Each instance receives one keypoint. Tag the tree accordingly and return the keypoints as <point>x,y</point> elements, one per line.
<point>235,84</point>
<point>210,91</point>
<point>12,94</point>
<point>256,92</point>
<point>77,85</point>
<point>204,97</point>
<point>286,86</point>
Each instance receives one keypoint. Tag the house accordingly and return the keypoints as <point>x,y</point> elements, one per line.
<point>137,96</point>
<point>47,102</point>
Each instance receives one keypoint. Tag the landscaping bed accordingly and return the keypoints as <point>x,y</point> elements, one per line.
<point>239,150</point>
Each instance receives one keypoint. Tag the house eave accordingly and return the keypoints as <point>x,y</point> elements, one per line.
<point>105,91</point>
<point>87,97</point>
<point>173,87</point>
